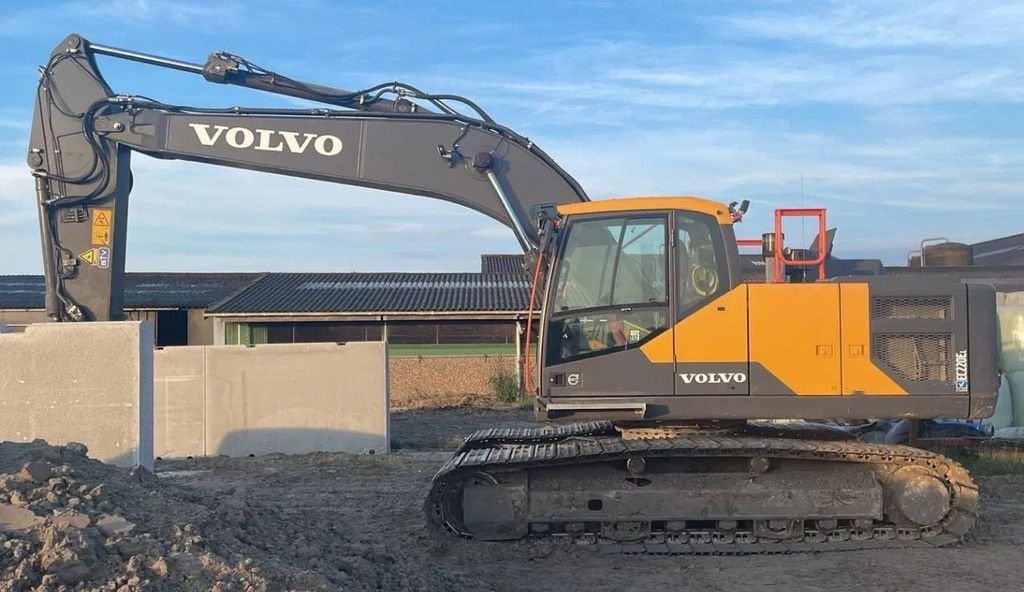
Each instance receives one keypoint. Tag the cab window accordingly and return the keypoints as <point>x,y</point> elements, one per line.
<point>700,260</point>
<point>611,288</point>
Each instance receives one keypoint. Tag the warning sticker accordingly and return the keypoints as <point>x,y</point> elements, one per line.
<point>101,235</point>
<point>101,219</point>
<point>98,257</point>
<point>89,256</point>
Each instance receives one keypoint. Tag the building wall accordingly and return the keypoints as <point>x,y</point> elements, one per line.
<point>502,331</point>
<point>200,328</point>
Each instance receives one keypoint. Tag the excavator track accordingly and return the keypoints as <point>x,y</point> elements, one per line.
<point>758,489</point>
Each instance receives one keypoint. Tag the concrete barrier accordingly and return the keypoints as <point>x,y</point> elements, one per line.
<point>179,401</point>
<point>80,382</point>
<point>287,398</point>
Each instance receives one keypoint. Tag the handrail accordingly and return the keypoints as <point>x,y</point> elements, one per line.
<point>818,261</point>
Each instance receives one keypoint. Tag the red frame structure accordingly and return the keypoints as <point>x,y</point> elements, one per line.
<point>819,261</point>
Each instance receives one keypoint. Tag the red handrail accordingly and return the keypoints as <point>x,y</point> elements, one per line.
<point>818,261</point>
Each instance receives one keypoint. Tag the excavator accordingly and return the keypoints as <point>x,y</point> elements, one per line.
<point>659,375</point>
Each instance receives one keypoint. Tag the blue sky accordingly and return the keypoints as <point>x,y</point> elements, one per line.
<point>903,119</point>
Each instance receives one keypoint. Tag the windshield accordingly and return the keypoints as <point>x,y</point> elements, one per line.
<point>611,291</point>
<point>614,261</point>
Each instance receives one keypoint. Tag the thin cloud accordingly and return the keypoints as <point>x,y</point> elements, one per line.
<point>882,24</point>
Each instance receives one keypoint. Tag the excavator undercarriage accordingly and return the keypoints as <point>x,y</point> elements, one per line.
<point>759,488</point>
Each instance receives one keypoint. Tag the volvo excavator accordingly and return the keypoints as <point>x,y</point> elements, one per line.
<point>658,369</point>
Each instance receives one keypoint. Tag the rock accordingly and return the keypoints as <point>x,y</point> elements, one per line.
<point>14,518</point>
<point>97,492</point>
<point>135,564</point>
<point>142,474</point>
<point>36,471</point>
<point>74,502</point>
<point>52,497</point>
<point>159,567</point>
<point>77,448</point>
<point>73,572</point>
<point>18,499</point>
<point>110,524</point>
<point>71,520</point>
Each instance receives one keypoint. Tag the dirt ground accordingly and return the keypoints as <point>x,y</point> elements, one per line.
<point>345,522</point>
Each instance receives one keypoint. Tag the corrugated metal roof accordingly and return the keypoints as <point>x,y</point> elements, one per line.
<point>21,291</point>
<point>183,290</point>
<point>752,268</point>
<point>287,293</point>
<point>142,290</point>
<point>1008,250</point>
<point>502,263</point>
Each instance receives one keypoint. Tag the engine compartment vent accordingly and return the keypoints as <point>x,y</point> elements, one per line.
<point>896,307</point>
<point>916,357</point>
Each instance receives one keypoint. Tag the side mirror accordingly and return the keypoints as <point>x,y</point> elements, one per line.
<point>737,213</point>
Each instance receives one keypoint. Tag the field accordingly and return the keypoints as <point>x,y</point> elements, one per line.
<point>380,498</point>
<point>354,522</point>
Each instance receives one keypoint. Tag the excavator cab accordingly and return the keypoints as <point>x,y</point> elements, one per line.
<point>647,320</point>
<point>622,282</point>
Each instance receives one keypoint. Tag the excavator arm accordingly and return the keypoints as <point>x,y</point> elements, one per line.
<point>83,135</point>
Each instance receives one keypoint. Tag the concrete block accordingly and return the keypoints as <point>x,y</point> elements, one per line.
<point>296,398</point>
<point>81,382</point>
<point>179,399</point>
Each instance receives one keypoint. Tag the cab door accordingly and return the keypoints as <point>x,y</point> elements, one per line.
<point>610,297</point>
<point>711,332</point>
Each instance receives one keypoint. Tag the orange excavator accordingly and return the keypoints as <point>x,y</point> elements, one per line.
<point>657,364</point>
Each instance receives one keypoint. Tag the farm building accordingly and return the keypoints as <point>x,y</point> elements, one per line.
<point>481,312</point>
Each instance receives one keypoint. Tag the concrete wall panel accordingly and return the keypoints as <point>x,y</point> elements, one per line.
<point>17,319</point>
<point>288,398</point>
<point>296,398</point>
<point>179,397</point>
<point>80,382</point>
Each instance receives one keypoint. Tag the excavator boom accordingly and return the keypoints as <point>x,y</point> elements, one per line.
<point>83,135</point>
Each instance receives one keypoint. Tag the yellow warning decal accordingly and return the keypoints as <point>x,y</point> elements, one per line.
<point>101,235</point>
<point>97,256</point>
<point>101,219</point>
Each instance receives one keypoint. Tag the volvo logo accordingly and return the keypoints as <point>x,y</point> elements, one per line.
<point>713,377</point>
<point>266,140</point>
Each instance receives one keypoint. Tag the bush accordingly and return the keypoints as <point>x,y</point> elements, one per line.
<point>505,386</point>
